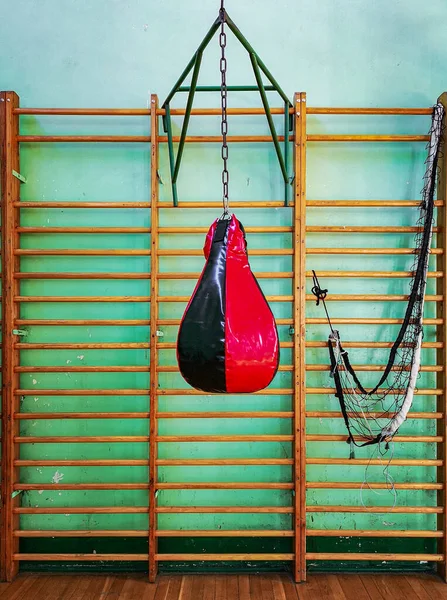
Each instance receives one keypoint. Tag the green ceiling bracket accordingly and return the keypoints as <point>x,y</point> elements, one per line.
<point>258,67</point>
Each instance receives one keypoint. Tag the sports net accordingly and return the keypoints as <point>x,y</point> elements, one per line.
<point>373,416</point>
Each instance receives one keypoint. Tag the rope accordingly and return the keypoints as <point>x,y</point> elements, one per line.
<point>320,296</point>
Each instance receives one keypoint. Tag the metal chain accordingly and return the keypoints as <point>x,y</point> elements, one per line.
<point>224,123</point>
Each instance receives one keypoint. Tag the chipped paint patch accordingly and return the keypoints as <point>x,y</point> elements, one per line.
<point>57,477</point>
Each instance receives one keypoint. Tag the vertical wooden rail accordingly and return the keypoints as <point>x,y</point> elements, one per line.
<point>10,190</point>
<point>441,261</point>
<point>299,270</point>
<point>153,351</point>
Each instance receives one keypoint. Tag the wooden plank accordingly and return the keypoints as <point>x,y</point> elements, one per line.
<point>367,138</point>
<point>353,587</point>
<point>441,355</point>
<point>153,428</point>
<point>10,191</point>
<point>224,533</point>
<point>379,556</point>
<point>299,307</point>
<point>227,557</point>
<point>330,586</point>
<point>62,557</point>
<point>323,110</point>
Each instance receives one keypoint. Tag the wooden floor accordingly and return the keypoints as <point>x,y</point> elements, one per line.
<point>41,586</point>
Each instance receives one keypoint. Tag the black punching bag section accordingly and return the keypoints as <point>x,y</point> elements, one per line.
<point>201,338</point>
<point>227,341</point>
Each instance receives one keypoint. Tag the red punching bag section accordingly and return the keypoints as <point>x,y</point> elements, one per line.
<point>227,341</point>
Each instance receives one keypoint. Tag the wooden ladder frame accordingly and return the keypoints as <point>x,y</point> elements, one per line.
<point>10,139</point>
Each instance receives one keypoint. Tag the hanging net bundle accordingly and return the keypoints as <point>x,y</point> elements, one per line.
<point>374,416</point>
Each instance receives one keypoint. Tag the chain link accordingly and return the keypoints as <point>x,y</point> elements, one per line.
<point>224,122</point>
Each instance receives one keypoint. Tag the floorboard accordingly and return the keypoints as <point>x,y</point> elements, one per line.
<point>256,586</point>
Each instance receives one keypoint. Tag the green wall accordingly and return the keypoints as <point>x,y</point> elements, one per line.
<point>113,54</point>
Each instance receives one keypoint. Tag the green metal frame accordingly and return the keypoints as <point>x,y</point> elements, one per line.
<point>259,68</point>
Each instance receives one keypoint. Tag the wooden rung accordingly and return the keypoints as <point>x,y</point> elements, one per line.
<point>375,509</point>
<point>69,533</point>
<point>81,486</point>
<point>82,463</point>
<point>175,369</point>
<point>428,439</point>
<point>321,110</point>
<point>194,392</point>
<point>368,203</point>
<point>356,485</point>
<point>376,297</point>
<point>330,414</point>
<point>196,230</point>
<point>397,251</point>
<point>373,274</point>
<point>224,438</point>
<point>374,368</point>
<point>234,204</point>
<point>225,533</point>
<point>80,510</point>
<point>82,230</point>
<point>323,344</point>
<point>66,139</point>
<point>226,415</point>
<point>80,557</point>
<point>225,557</point>
<point>368,138</point>
<point>84,346</point>
<point>224,509</point>
<point>217,139</point>
<point>214,462</point>
<point>367,321</point>
<point>21,392</point>
<point>81,439</point>
<point>224,486</point>
<point>73,275</point>
<point>83,369</point>
<point>173,345</point>
<point>396,462</point>
<point>85,322</point>
<point>379,556</point>
<point>82,204</point>
<point>81,252</point>
<point>380,533</point>
<point>230,111</point>
<point>419,391</point>
<point>198,252</point>
<point>195,276</point>
<point>364,229</point>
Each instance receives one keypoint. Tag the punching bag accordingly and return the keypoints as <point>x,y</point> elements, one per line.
<point>227,341</point>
